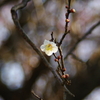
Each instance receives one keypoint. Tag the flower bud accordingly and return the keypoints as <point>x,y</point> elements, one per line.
<point>67,20</point>
<point>56,60</point>
<point>59,57</point>
<point>63,76</point>
<point>67,76</point>
<point>66,6</point>
<point>72,10</point>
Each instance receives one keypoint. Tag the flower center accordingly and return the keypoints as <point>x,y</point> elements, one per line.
<point>49,47</point>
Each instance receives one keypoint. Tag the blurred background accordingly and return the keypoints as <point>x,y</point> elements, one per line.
<point>21,69</point>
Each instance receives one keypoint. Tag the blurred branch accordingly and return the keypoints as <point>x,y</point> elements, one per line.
<point>87,79</point>
<point>39,8</point>
<point>82,38</point>
<point>4,2</point>
<point>22,33</point>
<point>36,96</point>
<point>75,57</point>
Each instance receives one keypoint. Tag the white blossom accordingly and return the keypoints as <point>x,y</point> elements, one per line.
<point>49,47</point>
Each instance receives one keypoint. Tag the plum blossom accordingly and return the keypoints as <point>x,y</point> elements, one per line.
<point>49,47</point>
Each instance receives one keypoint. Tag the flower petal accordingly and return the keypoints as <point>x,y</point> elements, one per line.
<point>42,47</point>
<point>49,53</point>
<point>55,49</point>
<point>46,42</point>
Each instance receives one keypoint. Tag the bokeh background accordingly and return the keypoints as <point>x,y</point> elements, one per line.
<point>21,69</point>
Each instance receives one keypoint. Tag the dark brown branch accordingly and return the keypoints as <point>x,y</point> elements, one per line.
<point>22,33</point>
<point>82,38</point>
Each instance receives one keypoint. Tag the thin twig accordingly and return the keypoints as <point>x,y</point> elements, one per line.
<point>22,33</point>
<point>82,38</point>
<point>57,61</point>
<point>66,25</point>
<point>62,60</point>
<point>59,65</point>
<point>52,38</point>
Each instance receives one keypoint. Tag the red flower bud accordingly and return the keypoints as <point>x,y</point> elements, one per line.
<point>59,57</point>
<point>56,60</point>
<point>67,75</point>
<point>72,10</point>
<point>63,76</point>
<point>66,6</point>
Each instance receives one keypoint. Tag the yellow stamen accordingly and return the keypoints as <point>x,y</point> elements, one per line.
<point>49,47</point>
